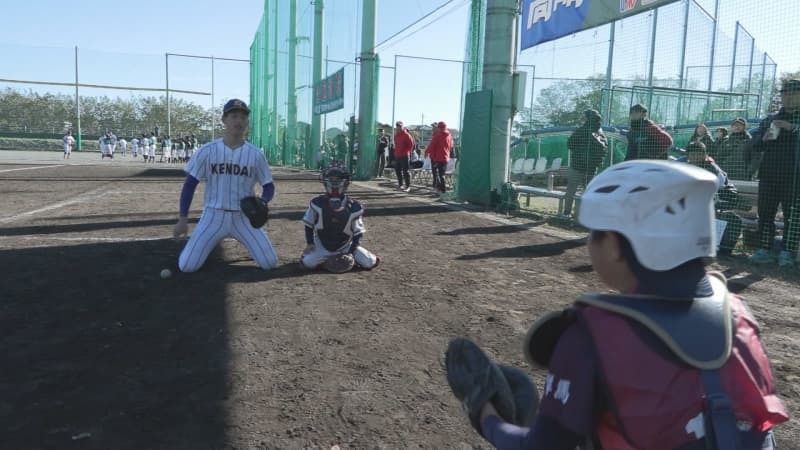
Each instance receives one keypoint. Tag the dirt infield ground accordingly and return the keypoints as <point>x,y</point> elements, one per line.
<point>99,353</point>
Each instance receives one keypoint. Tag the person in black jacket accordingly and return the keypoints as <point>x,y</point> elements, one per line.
<point>777,139</point>
<point>587,150</point>
<point>726,201</point>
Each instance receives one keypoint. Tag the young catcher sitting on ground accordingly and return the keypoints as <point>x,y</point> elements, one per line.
<point>334,226</point>
<point>672,362</point>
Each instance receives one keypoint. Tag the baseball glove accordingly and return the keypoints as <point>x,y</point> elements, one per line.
<point>475,380</point>
<point>525,394</point>
<point>256,210</point>
<point>340,263</point>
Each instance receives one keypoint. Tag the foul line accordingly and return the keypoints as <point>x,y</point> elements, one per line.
<point>32,168</point>
<point>81,198</point>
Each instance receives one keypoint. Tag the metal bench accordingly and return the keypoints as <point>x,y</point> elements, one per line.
<point>529,191</point>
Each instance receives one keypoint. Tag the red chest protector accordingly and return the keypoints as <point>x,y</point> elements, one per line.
<point>660,402</point>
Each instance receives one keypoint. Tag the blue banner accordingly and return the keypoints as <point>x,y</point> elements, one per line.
<point>545,20</point>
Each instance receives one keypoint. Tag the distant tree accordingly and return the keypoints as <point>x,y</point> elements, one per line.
<point>564,101</point>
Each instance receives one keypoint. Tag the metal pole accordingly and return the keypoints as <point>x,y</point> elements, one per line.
<point>499,51</point>
<point>319,27</point>
<point>774,74</point>
<point>652,58</point>
<point>609,73</point>
<point>169,121</point>
<point>681,77</point>
<point>750,72</point>
<point>761,88</point>
<point>713,46</point>
<point>275,117</point>
<point>291,114</point>
<point>325,116</point>
<point>394,94</point>
<point>213,105</point>
<point>77,104</point>
<point>733,62</point>
<point>533,81</point>
<point>368,95</point>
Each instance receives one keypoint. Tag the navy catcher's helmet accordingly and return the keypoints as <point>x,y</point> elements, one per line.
<point>336,179</point>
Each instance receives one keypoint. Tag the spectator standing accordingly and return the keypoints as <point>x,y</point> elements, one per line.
<point>439,152</point>
<point>702,135</point>
<point>403,146</point>
<point>777,140</point>
<point>383,145</point>
<point>740,162</point>
<point>720,145</point>
<point>587,149</point>
<point>646,140</point>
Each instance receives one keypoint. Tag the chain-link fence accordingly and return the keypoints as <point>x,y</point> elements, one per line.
<point>48,91</point>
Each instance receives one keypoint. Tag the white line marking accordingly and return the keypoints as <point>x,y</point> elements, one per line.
<point>31,168</point>
<point>81,198</point>
<point>94,239</point>
<point>88,239</point>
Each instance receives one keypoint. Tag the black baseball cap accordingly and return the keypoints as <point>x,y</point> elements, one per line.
<point>592,114</point>
<point>234,104</point>
<point>638,108</point>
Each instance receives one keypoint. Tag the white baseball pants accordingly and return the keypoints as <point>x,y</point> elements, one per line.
<point>217,224</point>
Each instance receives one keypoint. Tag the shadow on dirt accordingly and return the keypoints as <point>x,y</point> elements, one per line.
<point>502,229</point>
<point>529,251</point>
<point>99,352</point>
<point>93,226</point>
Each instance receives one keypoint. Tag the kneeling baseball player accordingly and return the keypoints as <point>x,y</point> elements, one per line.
<point>334,226</point>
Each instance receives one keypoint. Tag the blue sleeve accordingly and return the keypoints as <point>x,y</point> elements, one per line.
<point>187,193</point>
<point>546,433</point>
<point>309,235</point>
<point>269,191</point>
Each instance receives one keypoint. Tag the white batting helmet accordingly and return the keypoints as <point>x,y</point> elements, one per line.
<point>665,209</point>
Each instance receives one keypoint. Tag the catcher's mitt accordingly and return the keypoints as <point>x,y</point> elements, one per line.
<point>340,263</point>
<point>526,396</point>
<point>256,210</point>
<point>475,380</point>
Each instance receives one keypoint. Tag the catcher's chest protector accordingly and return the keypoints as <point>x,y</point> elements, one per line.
<point>659,401</point>
<point>335,225</point>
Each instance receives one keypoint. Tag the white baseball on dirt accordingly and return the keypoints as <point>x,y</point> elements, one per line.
<point>166,273</point>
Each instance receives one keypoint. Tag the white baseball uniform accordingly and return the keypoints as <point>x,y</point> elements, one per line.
<point>230,175</point>
<point>69,141</point>
<point>335,222</point>
<point>135,147</point>
<point>123,146</point>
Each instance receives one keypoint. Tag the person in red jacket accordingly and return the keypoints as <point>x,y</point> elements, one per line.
<point>646,140</point>
<point>672,362</point>
<point>439,152</point>
<point>403,146</point>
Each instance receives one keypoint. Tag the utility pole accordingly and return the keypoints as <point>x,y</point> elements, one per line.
<point>368,98</point>
<point>316,133</point>
<point>498,72</point>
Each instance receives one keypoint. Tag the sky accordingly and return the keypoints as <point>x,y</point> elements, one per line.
<point>124,44</point>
